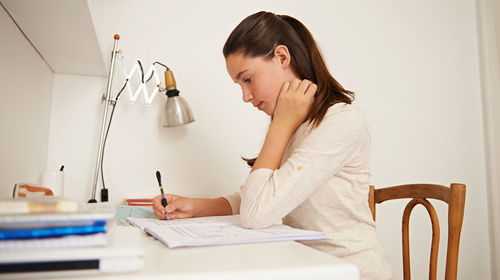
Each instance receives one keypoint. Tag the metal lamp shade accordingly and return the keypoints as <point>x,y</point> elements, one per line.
<point>177,112</point>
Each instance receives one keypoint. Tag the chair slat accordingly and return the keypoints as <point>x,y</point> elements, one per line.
<point>413,191</point>
<point>435,237</point>
<point>455,218</point>
<point>371,201</point>
<point>419,193</point>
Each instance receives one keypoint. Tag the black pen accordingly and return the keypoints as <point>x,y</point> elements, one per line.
<point>163,199</point>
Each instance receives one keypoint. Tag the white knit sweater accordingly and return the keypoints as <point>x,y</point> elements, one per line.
<point>322,185</point>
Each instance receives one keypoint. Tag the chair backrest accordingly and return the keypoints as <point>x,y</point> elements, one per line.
<point>419,193</point>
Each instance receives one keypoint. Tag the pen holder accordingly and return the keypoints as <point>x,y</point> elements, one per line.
<point>54,180</point>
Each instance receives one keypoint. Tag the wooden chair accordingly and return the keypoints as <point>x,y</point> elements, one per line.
<point>454,196</point>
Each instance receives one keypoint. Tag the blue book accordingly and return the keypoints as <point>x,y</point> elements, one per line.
<point>52,220</point>
<point>26,233</point>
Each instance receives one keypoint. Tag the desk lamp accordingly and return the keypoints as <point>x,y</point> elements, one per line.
<point>175,113</point>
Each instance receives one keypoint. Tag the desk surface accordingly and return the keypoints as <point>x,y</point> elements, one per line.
<point>271,260</point>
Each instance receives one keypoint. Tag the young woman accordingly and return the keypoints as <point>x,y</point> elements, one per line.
<point>313,171</point>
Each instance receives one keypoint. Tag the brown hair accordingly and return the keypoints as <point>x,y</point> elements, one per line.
<point>259,33</point>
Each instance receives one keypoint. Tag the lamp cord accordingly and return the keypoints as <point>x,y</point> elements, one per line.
<point>113,111</point>
<point>107,131</point>
<point>156,62</point>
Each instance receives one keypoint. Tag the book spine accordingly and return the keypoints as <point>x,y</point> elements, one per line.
<point>140,200</point>
<point>25,207</point>
<point>50,232</point>
<point>139,204</point>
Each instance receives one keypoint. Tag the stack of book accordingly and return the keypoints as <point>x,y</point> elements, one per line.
<point>53,236</point>
<point>49,222</point>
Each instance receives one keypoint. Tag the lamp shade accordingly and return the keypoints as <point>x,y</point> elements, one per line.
<point>176,112</point>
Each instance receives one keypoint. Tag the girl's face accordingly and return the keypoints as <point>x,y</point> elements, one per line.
<point>261,78</point>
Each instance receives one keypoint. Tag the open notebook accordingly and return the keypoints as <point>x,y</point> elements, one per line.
<point>217,230</point>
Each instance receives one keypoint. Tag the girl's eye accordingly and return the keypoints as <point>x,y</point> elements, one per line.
<point>248,80</point>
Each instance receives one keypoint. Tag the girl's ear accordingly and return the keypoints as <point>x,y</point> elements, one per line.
<point>282,55</point>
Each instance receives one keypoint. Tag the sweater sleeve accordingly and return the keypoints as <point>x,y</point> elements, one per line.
<point>234,200</point>
<point>269,195</point>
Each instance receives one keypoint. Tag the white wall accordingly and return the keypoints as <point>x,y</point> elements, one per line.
<point>74,132</point>
<point>414,67</point>
<point>25,92</point>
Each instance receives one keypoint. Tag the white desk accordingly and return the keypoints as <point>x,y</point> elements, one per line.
<point>272,260</point>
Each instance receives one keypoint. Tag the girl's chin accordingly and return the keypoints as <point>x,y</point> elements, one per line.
<point>267,110</point>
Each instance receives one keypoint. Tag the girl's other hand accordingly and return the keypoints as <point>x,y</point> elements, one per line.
<point>294,103</point>
<point>178,207</point>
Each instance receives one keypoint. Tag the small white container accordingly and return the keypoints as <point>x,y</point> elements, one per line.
<point>54,180</point>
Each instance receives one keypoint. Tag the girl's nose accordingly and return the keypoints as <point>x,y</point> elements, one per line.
<point>247,95</point>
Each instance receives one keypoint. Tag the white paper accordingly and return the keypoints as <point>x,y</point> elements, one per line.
<point>69,241</point>
<point>217,230</point>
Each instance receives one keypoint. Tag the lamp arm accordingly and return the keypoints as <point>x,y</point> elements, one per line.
<point>107,102</point>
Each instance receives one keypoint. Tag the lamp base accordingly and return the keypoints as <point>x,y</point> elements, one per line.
<point>92,200</point>
<point>104,195</point>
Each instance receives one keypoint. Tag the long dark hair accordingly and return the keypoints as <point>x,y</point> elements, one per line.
<point>259,33</point>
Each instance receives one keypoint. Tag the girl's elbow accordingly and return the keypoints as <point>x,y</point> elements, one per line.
<point>254,220</point>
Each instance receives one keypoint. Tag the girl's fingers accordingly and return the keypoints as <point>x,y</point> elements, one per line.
<point>159,215</point>
<point>295,85</point>
<point>171,197</point>
<point>180,215</point>
<point>300,87</point>
<point>284,87</point>
<point>311,90</point>
<point>176,205</point>
<point>157,203</point>
<point>303,86</point>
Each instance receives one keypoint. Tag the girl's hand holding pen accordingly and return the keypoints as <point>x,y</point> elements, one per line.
<point>178,207</point>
